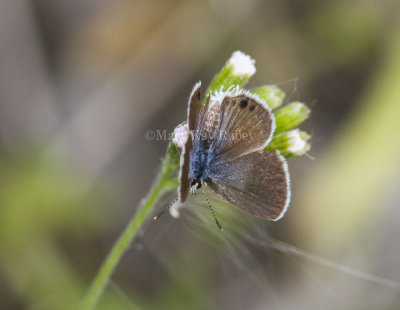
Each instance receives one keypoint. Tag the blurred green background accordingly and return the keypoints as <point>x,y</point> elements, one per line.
<point>81,82</point>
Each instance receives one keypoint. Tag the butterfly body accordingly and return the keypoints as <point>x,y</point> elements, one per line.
<point>200,158</point>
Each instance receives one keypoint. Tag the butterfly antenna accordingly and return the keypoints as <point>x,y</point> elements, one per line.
<point>212,210</point>
<point>163,211</point>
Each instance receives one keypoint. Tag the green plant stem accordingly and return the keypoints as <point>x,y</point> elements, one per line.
<point>160,186</point>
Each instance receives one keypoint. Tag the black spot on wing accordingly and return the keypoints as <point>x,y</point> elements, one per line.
<point>243,103</point>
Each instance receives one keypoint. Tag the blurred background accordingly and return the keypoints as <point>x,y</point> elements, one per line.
<point>82,81</point>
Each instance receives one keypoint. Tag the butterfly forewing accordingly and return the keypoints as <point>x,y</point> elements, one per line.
<point>257,183</point>
<point>184,171</point>
<point>195,108</point>
<point>196,111</point>
<point>245,125</point>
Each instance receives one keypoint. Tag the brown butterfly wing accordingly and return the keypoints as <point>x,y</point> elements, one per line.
<point>257,183</point>
<point>245,125</point>
<point>195,108</point>
<point>183,190</point>
<point>196,111</point>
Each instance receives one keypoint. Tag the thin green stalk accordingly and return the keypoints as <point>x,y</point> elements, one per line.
<point>160,186</point>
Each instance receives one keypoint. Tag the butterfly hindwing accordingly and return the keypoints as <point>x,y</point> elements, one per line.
<point>257,183</point>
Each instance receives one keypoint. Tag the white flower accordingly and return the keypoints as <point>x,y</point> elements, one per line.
<point>181,134</point>
<point>297,144</point>
<point>242,64</point>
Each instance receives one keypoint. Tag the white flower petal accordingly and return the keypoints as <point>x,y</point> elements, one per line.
<point>242,64</point>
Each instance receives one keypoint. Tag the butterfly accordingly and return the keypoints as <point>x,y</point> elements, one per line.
<point>224,151</point>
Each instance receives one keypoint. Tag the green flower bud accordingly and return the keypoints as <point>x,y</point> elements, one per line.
<point>272,95</point>
<point>290,116</point>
